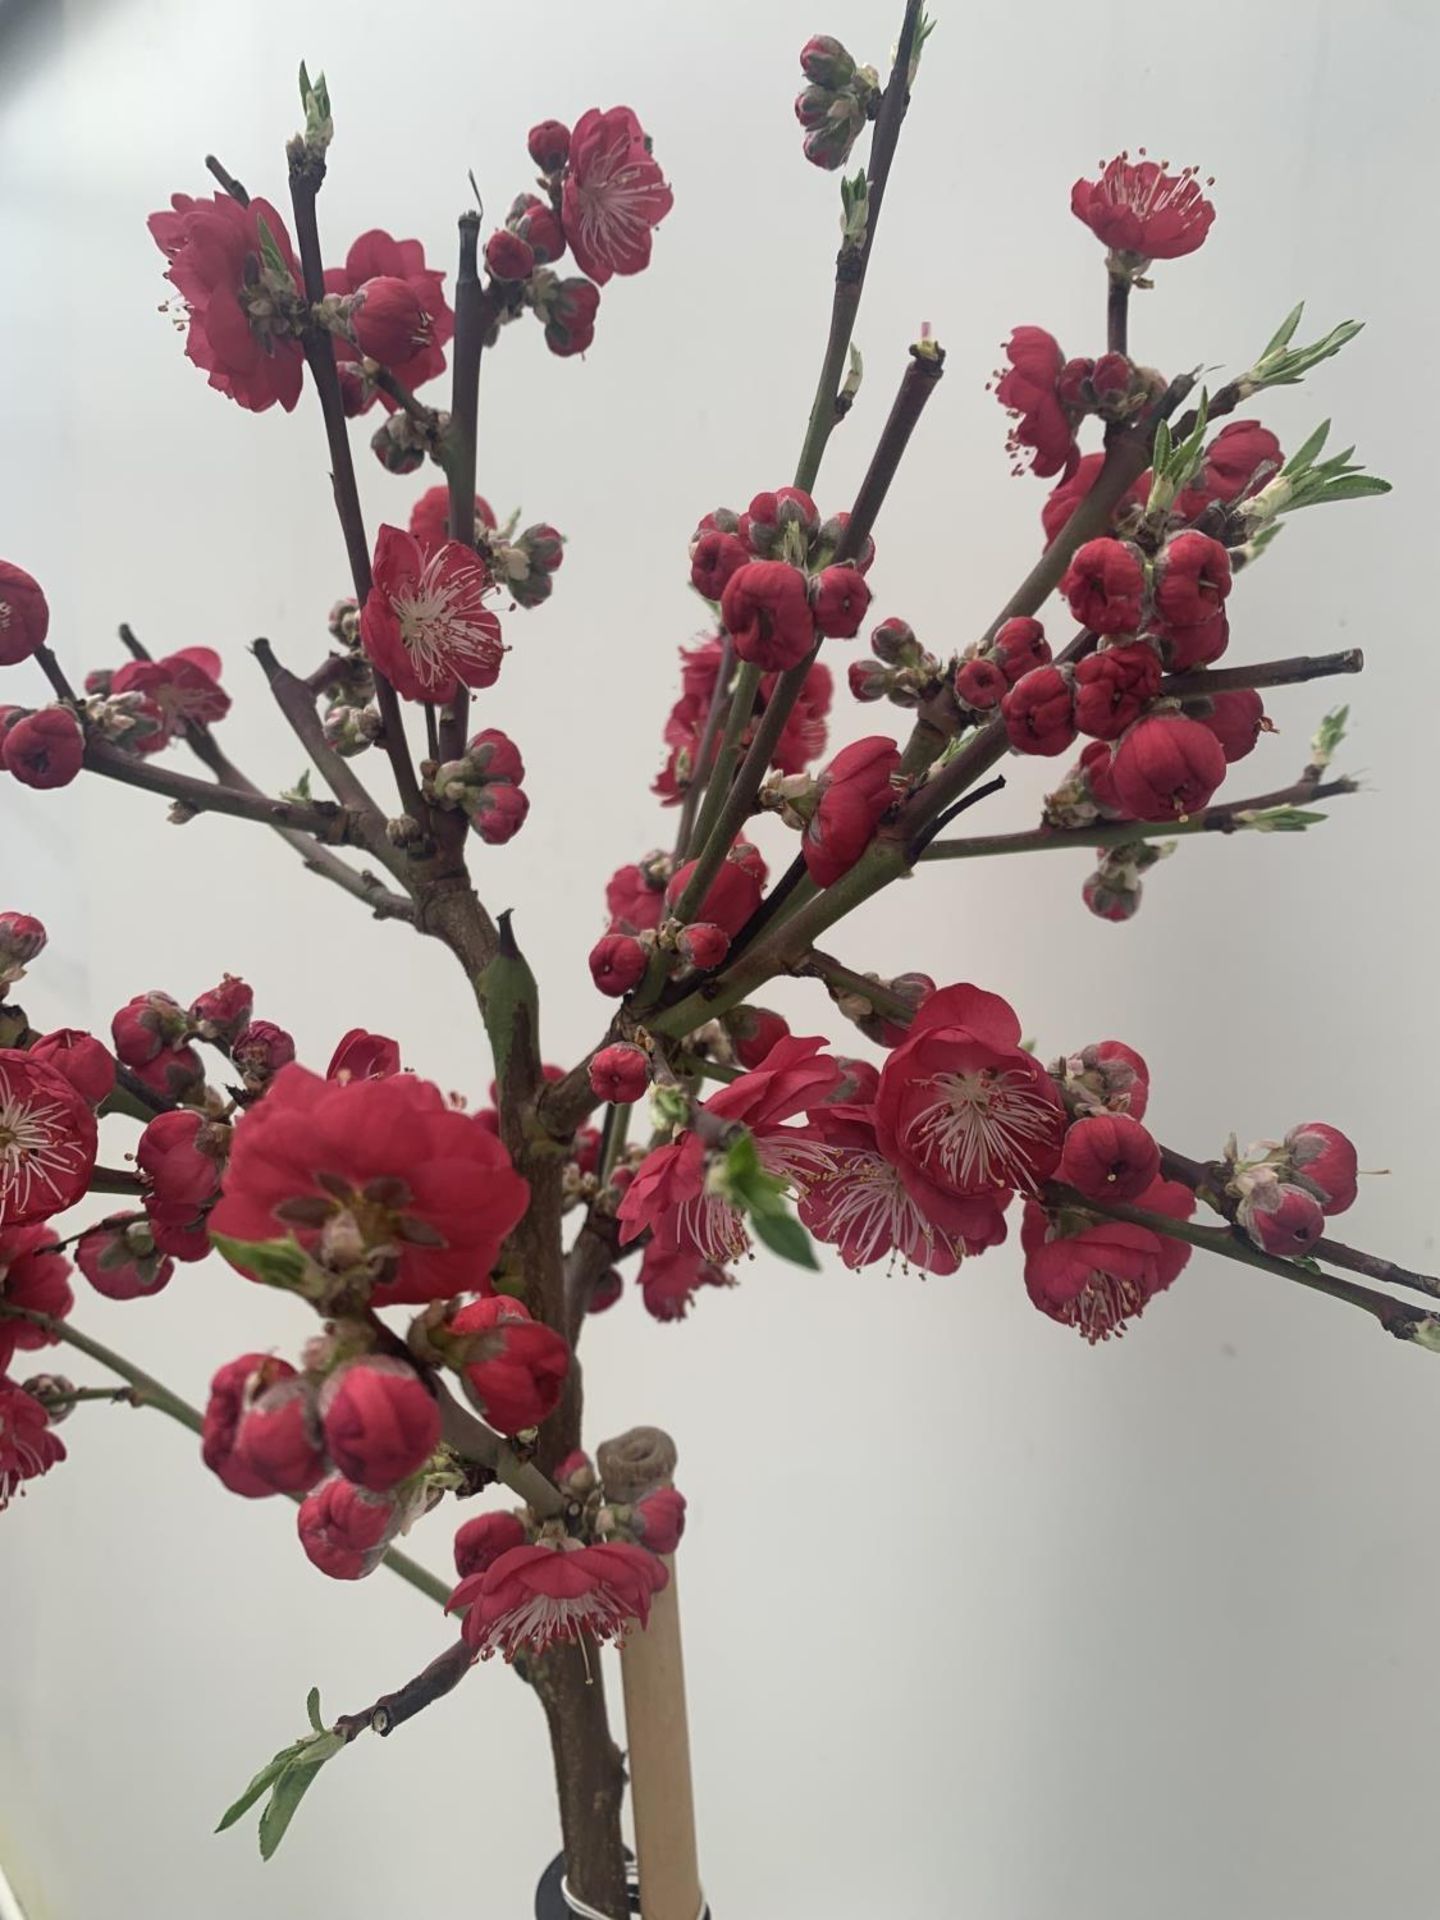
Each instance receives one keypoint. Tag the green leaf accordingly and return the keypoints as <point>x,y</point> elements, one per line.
<point>1350,486</point>
<point>1280,819</point>
<point>1329,734</point>
<point>289,1790</point>
<point>312,1699</point>
<point>1300,462</point>
<point>266,1777</point>
<point>1284,333</point>
<point>270,254</point>
<point>1164,441</point>
<point>278,1263</point>
<point>782,1233</point>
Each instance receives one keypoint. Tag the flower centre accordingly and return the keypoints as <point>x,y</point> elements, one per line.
<point>982,1127</point>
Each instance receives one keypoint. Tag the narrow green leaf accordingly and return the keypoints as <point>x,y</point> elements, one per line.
<point>270,254</point>
<point>290,1789</point>
<point>1300,462</point>
<point>1285,332</point>
<point>312,1710</point>
<point>266,1777</point>
<point>1350,486</point>
<point>1164,441</point>
<point>782,1233</point>
<point>305,88</point>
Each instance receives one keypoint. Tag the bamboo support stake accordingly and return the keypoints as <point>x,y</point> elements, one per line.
<point>652,1671</point>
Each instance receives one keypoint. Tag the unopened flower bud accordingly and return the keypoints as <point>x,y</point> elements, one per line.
<point>1281,1218</point>
<point>508,256</point>
<point>221,1012</point>
<point>1019,646</point>
<point>397,446</point>
<point>261,1049</point>
<point>980,684</point>
<point>22,939</point>
<point>278,1439</point>
<point>343,622</point>
<point>620,1073</point>
<point>381,1422</point>
<point>24,615</point>
<point>54,1392</point>
<point>350,730</point>
<point>825,62</point>
<point>617,963</point>
<point>703,945</point>
<point>548,145</point>
<point>869,680</point>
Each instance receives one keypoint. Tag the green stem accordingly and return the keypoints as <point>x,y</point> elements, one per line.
<point>147,1391</point>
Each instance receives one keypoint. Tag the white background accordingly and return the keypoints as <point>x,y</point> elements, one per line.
<point>979,1621</point>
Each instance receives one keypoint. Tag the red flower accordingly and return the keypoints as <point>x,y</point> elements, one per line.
<point>1282,1218</point>
<point>179,1158</point>
<point>260,1050</point>
<point>430,517</point>
<point>408,330</point>
<point>766,611</point>
<point>669,1192</point>
<point>620,1073</point>
<point>1020,646</point>
<point>548,145</point>
<point>278,1439</point>
<point>36,1276</point>
<point>1136,208</point>
<point>1028,392</point>
<point>1114,687</point>
<point>47,1140</point>
<point>1069,492</point>
<point>87,1063</point>
<point>670,1277</point>
<point>569,315</point>
<point>1109,1157</point>
<point>733,896</point>
<point>1238,461</point>
<point>980,684</point>
<point>220,1012</point>
<point>714,557</point>
<point>1039,711</point>
<point>614,194</point>
<point>1185,648</point>
<point>22,939</point>
<point>962,1103</point>
<point>24,615</point>
<point>1167,767</point>
<point>754,1032</point>
<point>533,1596</point>
<point>514,1366</point>
<point>363,1056</point>
<point>802,739</point>
<point>1322,1160</point>
<point>121,1260</point>
<point>344,1530</point>
<point>1105,586</point>
<point>659,1519</point>
<point>425,624</point>
<point>381,1422</point>
<point>634,900</point>
<point>243,311</point>
<point>508,256</point>
<point>27,1446</point>
<point>232,1391</point>
<point>618,963</point>
<point>871,1206</point>
<point>481,1541</point>
<point>855,793</point>
<point>534,222</point>
<point>178,1073</point>
<point>839,600</point>
<point>1108,1077</point>
<point>379,1170</point>
<point>146,1025</point>
<point>45,749</point>
<point>1192,578</point>
<point>703,945</point>
<point>1237,719</point>
<point>181,687</point>
<point>1094,1280</point>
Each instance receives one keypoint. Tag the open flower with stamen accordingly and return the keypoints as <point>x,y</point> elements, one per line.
<point>47,1140</point>
<point>964,1104</point>
<point>558,1590</point>
<point>671,1192</point>
<point>870,1206</point>
<point>1142,212</point>
<point>1102,1273</point>
<point>28,1447</point>
<point>425,624</point>
<point>614,194</point>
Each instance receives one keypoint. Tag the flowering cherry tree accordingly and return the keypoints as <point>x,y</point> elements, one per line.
<point>452,1251</point>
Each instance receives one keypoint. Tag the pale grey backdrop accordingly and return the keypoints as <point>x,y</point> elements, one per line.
<point>979,1622</point>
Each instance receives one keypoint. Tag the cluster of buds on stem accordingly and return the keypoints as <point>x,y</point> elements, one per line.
<point>838,99</point>
<point>486,784</point>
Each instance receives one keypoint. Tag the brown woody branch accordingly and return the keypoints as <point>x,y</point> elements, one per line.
<point>392,1710</point>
